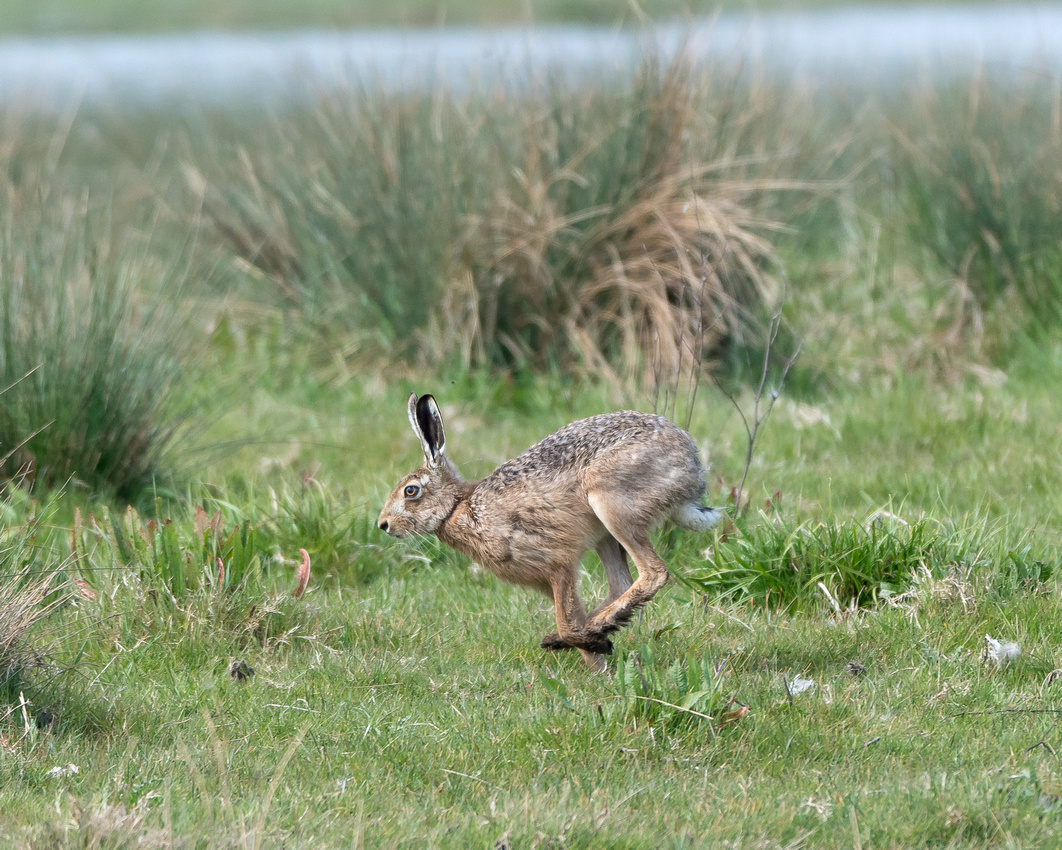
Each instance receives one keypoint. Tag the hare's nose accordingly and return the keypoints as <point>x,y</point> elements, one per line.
<point>383,525</point>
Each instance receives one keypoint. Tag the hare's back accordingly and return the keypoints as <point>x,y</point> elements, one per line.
<point>628,442</point>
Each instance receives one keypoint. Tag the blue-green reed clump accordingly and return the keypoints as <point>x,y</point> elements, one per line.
<point>213,545</point>
<point>674,696</point>
<point>91,345</point>
<point>980,190</point>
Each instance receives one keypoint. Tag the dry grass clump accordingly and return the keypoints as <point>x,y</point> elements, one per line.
<point>628,232</point>
<point>28,593</point>
<point>626,240</point>
<point>22,606</point>
<point>614,227</point>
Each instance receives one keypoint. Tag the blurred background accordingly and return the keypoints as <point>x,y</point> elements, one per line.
<point>50,17</point>
<point>615,200</point>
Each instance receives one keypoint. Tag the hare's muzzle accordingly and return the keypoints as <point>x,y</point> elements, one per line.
<point>386,524</point>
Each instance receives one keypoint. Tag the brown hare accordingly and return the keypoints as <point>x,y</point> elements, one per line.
<point>601,483</point>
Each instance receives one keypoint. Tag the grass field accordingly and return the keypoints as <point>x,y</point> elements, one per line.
<point>68,17</point>
<point>209,327</point>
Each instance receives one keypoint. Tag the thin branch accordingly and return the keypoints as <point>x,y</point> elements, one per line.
<point>662,702</point>
<point>760,417</point>
<point>18,381</point>
<point>1043,740</point>
<point>11,453</point>
<point>658,381</point>
<point>996,712</point>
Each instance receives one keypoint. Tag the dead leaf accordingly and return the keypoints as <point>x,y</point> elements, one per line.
<point>303,575</point>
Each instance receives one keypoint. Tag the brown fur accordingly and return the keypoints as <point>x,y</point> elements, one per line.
<point>600,483</point>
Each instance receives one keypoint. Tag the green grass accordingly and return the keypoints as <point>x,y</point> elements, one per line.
<point>47,17</point>
<point>419,709</point>
<point>423,713</point>
<point>77,16</point>
<point>903,501</point>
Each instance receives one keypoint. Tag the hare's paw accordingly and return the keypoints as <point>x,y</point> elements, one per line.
<point>584,641</point>
<point>591,642</point>
<point>554,642</point>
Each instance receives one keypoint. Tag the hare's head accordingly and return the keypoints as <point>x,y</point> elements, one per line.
<point>425,498</point>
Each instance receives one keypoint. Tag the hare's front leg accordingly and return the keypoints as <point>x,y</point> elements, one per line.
<point>571,618</point>
<point>617,571</point>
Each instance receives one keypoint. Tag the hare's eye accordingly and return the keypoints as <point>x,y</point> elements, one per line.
<point>412,491</point>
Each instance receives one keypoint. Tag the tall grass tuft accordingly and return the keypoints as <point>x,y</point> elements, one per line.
<point>628,236</point>
<point>609,227</point>
<point>852,564</point>
<point>979,171</point>
<point>90,348</point>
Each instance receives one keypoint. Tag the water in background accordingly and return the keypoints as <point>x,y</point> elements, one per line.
<point>871,44</point>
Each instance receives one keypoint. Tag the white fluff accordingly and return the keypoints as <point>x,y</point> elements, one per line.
<point>1001,651</point>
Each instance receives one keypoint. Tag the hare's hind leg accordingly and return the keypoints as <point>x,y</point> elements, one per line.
<point>614,559</point>
<point>618,572</point>
<point>631,531</point>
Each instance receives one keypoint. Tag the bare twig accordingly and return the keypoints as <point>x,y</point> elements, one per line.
<point>11,453</point>
<point>1043,740</point>
<point>18,381</point>
<point>698,355</point>
<point>996,712</point>
<point>689,711</point>
<point>760,411</point>
<point>700,298</point>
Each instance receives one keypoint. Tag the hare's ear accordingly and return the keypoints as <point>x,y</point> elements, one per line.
<point>427,424</point>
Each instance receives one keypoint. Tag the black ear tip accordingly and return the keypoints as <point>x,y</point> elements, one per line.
<point>425,404</point>
<point>430,425</point>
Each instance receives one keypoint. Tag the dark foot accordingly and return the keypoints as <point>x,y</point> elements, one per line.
<point>554,642</point>
<point>597,643</point>
<point>591,643</point>
<point>619,619</point>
